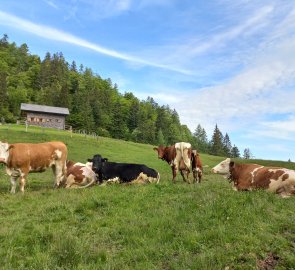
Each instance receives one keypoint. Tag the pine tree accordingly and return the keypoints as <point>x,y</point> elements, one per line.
<point>227,145</point>
<point>200,137</point>
<point>247,153</point>
<point>235,153</point>
<point>160,138</point>
<point>216,143</point>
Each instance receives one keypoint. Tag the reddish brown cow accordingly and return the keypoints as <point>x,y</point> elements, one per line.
<point>22,158</point>
<point>253,176</point>
<point>197,167</point>
<point>79,175</point>
<point>178,156</point>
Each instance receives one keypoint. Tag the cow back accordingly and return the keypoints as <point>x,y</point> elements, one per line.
<point>183,155</point>
<point>125,171</point>
<point>37,156</point>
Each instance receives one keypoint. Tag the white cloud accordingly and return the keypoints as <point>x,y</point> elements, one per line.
<point>281,129</point>
<point>51,3</point>
<point>261,88</point>
<point>54,34</point>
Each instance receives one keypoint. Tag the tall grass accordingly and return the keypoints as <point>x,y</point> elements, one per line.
<point>165,226</point>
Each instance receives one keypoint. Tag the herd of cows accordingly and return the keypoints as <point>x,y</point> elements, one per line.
<point>22,158</point>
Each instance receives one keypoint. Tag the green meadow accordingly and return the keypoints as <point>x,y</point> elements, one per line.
<point>164,226</point>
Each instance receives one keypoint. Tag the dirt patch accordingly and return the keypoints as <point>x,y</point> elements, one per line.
<point>269,263</point>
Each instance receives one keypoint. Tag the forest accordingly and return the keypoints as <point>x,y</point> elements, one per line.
<point>95,104</point>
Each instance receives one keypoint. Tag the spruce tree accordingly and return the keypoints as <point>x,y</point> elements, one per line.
<point>235,153</point>
<point>227,145</point>
<point>247,153</point>
<point>200,137</point>
<point>216,144</point>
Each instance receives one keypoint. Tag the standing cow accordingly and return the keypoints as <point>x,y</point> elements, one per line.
<point>253,176</point>
<point>79,175</point>
<point>123,172</point>
<point>197,167</point>
<point>22,158</point>
<point>178,156</point>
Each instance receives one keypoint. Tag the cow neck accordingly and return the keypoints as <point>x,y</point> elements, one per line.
<point>168,155</point>
<point>100,172</point>
<point>234,172</point>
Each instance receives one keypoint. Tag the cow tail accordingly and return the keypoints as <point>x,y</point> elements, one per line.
<point>89,184</point>
<point>158,178</point>
<point>186,160</point>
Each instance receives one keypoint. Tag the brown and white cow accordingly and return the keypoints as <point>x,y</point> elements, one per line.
<point>197,166</point>
<point>253,176</point>
<point>22,158</point>
<point>178,156</point>
<point>79,175</point>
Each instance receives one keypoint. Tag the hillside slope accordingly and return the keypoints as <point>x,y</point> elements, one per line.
<point>165,226</point>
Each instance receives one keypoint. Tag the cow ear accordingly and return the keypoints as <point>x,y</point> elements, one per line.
<point>10,147</point>
<point>90,160</point>
<point>231,164</point>
<point>105,159</point>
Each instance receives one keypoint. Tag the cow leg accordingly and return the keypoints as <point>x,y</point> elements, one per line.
<point>199,176</point>
<point>22,183</point>
<point>195,176</point>
<point>59,174</point>
<point>174,171</point>
<point>183,177</point>
<point>13,180</point>
<point>187,175</point>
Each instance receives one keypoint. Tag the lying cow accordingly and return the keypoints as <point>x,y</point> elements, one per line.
<point>253,176</point>
<point>197,167</point>
<point>178,156</point>
<point>79,175</point>
<point>123,172</point>
<point>22,158</point>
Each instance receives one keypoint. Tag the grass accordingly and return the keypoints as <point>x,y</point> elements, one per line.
<point>165,226</point>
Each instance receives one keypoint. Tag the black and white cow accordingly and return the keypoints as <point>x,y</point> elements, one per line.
<point>123,172</point>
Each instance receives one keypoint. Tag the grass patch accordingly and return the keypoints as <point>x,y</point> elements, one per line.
<point>165,226</point>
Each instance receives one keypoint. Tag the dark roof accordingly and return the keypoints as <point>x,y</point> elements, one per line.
<point>44,109</point>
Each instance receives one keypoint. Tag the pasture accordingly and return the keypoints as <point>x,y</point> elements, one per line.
<point>164,226</point>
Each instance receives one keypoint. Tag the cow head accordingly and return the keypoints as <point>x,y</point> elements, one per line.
<point>4,151</point>
<point>223,167</point>
<point>161,151</point>
<point>97,162</point>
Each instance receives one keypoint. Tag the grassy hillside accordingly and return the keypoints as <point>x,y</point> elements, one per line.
<point>165,226</point>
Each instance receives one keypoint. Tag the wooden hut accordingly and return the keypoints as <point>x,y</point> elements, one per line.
<point>44,116</point>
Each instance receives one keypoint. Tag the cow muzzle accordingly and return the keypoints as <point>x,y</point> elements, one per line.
<point>2,160</point>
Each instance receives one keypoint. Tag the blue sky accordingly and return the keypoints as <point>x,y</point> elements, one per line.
<point>230,62</point>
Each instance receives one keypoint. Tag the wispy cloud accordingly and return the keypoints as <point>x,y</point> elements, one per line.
<point>54,34</point>
<point>51,3</point>
<point>280,129</point>
<point>260,87</point>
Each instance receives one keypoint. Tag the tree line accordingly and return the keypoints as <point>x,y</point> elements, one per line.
<point>95,104</point>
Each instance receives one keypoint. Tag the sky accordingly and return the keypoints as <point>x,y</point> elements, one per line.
<point>224,62</point>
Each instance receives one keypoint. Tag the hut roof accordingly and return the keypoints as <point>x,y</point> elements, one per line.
<point>44,109</point>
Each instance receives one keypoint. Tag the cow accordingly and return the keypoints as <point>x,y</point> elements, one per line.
<point>197,167</point>
<point>123,172</point>
<point>22,158</point>
<point>253,176</point>
<point>79,175</point>
<point>178,156</point>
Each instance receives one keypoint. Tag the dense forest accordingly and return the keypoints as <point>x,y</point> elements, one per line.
<point>95,104</point>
